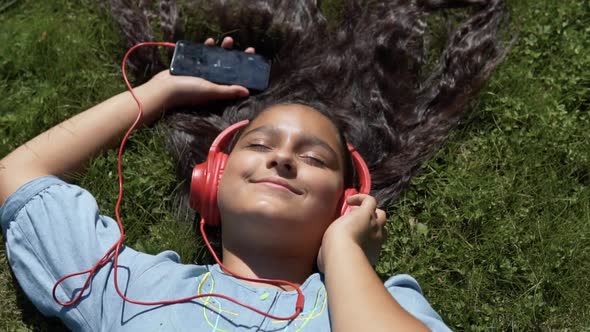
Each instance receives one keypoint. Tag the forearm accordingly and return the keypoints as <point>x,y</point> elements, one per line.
<point>69,145</point>
<point>358,299</point>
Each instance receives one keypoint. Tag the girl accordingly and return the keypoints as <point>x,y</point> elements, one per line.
<point>279,194</point>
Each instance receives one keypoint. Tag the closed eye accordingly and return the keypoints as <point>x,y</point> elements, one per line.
<point>314,161</point>
<point>258,147</point>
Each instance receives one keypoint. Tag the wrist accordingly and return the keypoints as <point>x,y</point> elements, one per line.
<point>338,249</point>
<point>338,238</point>
<point>173,90</point>
<point>160,86</point>
<point>155,97</point>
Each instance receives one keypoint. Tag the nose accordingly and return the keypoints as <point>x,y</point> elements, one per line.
<point>283,161</point>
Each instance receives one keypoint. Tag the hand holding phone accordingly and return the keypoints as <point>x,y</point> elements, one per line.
<point>221,66</point>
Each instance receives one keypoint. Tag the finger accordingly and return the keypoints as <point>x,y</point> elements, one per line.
<point>378,224</point>
<point>380,229</point>
<point>210,42</point>
<point>365,202</point>
<point>230,91</point>
<point>381,217</point>
<point>250,50</point>
<point>377,236</point>
<point>228,42</point>
<point>356,200</point>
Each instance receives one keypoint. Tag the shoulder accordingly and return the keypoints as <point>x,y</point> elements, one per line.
<point>407,292</point>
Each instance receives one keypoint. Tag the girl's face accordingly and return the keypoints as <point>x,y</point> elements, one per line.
<point>283,179</point>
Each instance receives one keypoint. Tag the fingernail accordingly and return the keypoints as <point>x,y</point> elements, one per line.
<point>243,93</point>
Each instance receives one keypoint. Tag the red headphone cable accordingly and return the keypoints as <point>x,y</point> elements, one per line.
<point>113,252</point>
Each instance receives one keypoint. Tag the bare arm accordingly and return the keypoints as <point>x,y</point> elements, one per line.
<point>357,298</point>
<point>68,146</point>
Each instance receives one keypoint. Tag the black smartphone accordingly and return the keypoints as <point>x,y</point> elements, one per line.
<point>219,65</point>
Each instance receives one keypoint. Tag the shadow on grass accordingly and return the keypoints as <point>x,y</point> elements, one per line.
<point>31,316</point>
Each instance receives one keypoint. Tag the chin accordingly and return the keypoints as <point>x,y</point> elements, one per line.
<point>273,211</point>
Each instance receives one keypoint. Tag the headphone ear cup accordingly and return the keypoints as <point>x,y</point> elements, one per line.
<point>344,207</point>
<point>214,219</point>
<point>204,184</point>
<point>198,187</point>
<point>206,176</point>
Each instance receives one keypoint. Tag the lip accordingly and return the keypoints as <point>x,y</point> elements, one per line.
<point>279,182</point>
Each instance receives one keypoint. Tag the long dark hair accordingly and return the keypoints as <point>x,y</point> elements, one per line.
<point>369,72</point>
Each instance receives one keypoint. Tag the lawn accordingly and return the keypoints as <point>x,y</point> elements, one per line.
<point>496,228</point>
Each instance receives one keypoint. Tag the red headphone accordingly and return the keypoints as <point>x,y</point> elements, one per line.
<point>206,176</point>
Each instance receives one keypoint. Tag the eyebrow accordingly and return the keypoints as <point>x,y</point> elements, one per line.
<point>306,138</point>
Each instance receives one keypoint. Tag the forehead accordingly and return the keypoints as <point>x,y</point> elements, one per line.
<point>298,119</point>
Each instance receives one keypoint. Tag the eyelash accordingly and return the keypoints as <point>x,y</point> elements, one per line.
<point>258,147</point>
<point>309,159</point>
<point>314,161</point>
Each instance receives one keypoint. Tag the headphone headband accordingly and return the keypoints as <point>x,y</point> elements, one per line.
<point>362,169</point>
<point>220,143</point>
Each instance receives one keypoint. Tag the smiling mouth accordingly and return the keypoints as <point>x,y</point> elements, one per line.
<point>274,185</point>
<point>278,184</point>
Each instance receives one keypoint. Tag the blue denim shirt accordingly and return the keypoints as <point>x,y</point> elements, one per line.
<point>53,228</point>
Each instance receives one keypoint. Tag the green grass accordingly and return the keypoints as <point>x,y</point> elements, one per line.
<point>496,228</point>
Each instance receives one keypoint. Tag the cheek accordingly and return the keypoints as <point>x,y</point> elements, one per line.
<point>328,189</point>
<point>236,170</point>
